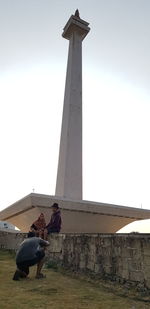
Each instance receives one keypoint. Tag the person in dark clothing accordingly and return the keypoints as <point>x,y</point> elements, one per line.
<point>54,225</point>
<point>30,252</point>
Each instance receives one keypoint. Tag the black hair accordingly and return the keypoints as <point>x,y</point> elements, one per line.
<point>55,205</point>
<point>31,234</point>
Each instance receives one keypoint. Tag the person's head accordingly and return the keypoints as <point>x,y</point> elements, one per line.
<point>41,216</point>
<point>31,234</point>
<point>55,207</point>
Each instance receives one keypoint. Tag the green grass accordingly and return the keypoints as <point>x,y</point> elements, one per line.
<point>60,291</point>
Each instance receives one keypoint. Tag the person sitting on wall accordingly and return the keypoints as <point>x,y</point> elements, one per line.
<point>37,227</point>
<point>54,225</point>
<point>30,252</point>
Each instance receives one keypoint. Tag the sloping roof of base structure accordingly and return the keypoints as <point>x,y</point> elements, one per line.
<point>78,216</point>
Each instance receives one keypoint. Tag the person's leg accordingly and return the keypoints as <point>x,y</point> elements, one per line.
<point>39,267</point>
<point>22,271</point>
<point>40,263</point>
<point>45,234</point>
<point>19,274</point>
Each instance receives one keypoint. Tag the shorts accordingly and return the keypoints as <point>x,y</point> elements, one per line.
<point>24,266</point>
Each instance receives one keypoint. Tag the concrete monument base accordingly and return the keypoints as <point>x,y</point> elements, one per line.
<point>77,216</point>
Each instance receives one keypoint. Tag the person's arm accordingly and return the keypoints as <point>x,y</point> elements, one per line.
<point>50,223</point>
<point>43,243</point>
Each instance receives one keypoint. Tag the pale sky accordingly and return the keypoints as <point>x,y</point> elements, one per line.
<point>116,99</point>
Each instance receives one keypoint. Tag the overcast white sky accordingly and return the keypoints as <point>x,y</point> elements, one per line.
<point>116,99</point>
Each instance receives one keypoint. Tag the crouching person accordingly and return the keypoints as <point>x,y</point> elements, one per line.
<point>31,252</point>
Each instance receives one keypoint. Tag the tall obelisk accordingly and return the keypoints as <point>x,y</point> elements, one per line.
<point>69,174</point>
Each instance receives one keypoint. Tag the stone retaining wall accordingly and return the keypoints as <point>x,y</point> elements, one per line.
<point>121,257</point>
<point>11,240</point>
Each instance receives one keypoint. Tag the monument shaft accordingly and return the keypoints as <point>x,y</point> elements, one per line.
<point>69,175</point>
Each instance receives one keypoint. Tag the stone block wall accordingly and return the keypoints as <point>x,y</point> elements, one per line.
<point>11,240</point>
<point>121,257</point>
<point>125,258</point>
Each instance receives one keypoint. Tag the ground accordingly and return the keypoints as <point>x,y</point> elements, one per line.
<point>61,290</point>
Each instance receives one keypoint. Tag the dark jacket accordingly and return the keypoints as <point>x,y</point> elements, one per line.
<point>54,225</point>
<point>29,248</point>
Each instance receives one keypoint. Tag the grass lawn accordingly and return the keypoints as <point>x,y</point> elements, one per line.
<point>60,291</point>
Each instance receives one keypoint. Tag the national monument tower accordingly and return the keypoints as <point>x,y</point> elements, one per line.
<point>69,175</point>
